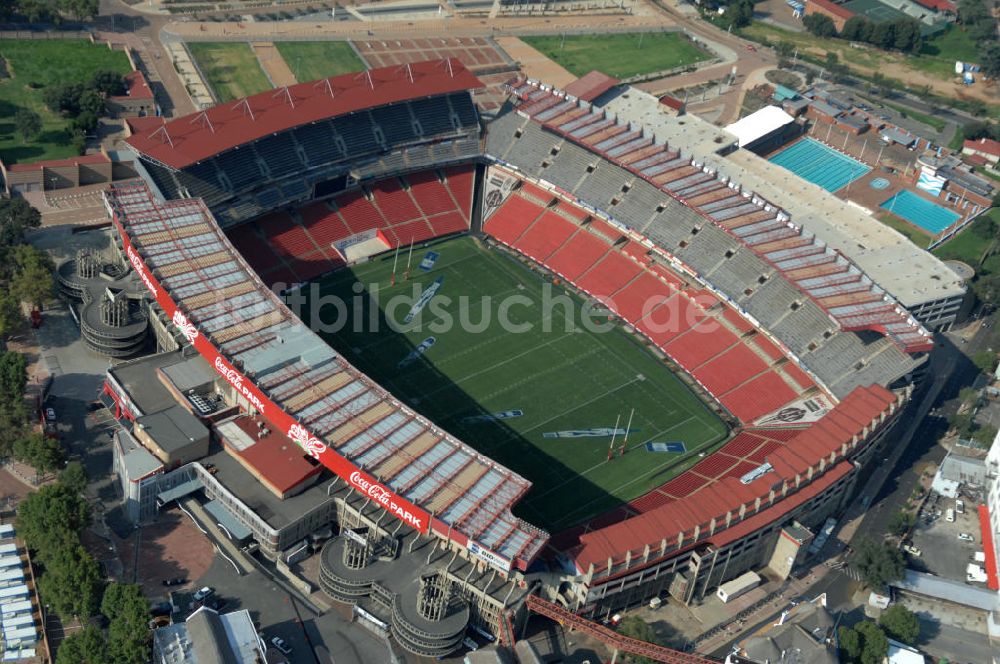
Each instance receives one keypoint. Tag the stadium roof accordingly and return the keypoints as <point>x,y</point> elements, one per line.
<point>592,85</point>
<point>192,138</point>
<point>759,124</point>
<point>727,494</point>
<point>833,8</point>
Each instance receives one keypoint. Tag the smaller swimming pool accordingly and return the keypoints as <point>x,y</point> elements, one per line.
<point>920,212</point>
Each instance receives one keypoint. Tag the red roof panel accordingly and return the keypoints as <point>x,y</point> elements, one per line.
<point>193,138</point>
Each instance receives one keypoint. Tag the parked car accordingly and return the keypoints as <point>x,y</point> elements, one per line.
<point>281,645</point>
<point>966,537</point>
<point>50,415</point>
<point>178,581</point>
<point>912,550</point>
<point>203,593</point>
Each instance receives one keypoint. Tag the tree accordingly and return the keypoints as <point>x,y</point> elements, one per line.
<point>127,610</point>
<point>742,13</point>
<point>13,376</point>
<point>784,49</point>
<point>857,28</point>
<point>984,228</point>
<point>32,280</point>
<point>850,644</point>
<point>40,452</point>
<point>874,645</point>
<point>16,218</point>
<point>74,477</point>
<point>91,101</point>
<point>71,582</point>
<point>84,647</point>
<point>900,523</point>
<point>878,564</point>
<point>51,519</point>
<point>10,313</point>
<point>108,83</point>
<point>901,624</point>
<point>64,99</point>
<point>637,628</point>
<point>883,34</point>
<point>989,58</point>
<point>84,123</point>
<point>986,360</point>
<point>820,25</point>
<point>27,123</point>
<point>906,35</point>
<point>81,9</point>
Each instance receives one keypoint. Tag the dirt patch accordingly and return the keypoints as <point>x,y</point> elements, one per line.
<point>534,64</point>
<point>785,78</point>
<point>274,65</point>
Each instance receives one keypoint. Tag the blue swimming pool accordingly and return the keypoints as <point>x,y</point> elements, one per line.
<point>920,211</point>
<point>820,164</point>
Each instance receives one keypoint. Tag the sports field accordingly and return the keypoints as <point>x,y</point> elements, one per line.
<point>31,65</point>
<point>554,386</point>
<point>232,69</point>
<point>619,55</point>
<point>310,61</point>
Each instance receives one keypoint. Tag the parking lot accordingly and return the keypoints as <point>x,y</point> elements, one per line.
<point>942,552</point>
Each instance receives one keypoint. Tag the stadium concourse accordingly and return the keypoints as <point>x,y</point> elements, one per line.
<point>808,357</point>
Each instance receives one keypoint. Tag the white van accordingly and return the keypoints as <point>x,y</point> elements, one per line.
<point>949,515</point>
<point>960,506</point>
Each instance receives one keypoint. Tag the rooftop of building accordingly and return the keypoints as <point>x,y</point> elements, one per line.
<point>985,145</point>
<point>138,378</point>
<point>947,590</point>
<point>98,158</point>
<point>759,124</point>
<point>173,428</point>
<point>280,462</point>
<point>139,462</point>
<point>798,638</point>
<point>207,637</point>
<point>248,489</point>
<point>833,8</point>
<point>592,85</point>
<point>136,87</point>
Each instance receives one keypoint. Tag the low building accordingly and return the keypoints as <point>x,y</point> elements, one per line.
<point>985,148</point>
<point>591,85</point>
<point>900,653</point>
<point>273,459</point>
<point>173,435</point>
<point>837,13</point>
<point>138,99</point>
<point>765,130</point>
<point>891,134</point>
<point>851,123</point>
<point>137,470</point>
<point>67,173</point>
<point>802,635</point>
<point>208,637</point>
<point>965,465</point>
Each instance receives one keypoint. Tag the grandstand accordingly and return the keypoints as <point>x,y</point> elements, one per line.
<point>808,357</point>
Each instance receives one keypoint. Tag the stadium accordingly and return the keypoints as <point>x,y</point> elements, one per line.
<point>747,366</point>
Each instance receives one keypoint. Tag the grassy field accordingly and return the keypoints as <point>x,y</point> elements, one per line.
<point>561,380</point>
<point>310,61</point>
<point>969,247</point>
<point>31,66</point>
<point>232,69</point>
<point>619,55</point>
<point>914,234</point>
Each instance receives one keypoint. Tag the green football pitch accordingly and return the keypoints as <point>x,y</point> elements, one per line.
<point>557,381</point>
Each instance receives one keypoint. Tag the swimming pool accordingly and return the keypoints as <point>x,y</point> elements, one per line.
<point>920,212</point>
<point>820,164</point>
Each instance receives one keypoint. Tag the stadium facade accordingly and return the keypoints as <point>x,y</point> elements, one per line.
<point>812,357</point>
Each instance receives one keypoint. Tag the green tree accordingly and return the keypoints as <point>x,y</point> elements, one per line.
<point>820,25</point>
<point>40,452</point>
<point>63,99</point>
<point>901,624</point>
<point>850,644</point>
<point>79,9</point>
<point>900,523</point>
<point>91,101</point>
<point>85,123</point>
<point>784,49</point>
<point>128,613</point>
<point>27,123</point>
<point>989,59</point>
<point>857,28</point>
<point>13,376</point>
<point>883,34</point>
<point>906,35</point>
<point>878,563</point>
<point>51,519</point>
<point>74,477</point>
<point>33,275</point>
<point>874,645</point>
<point>71,582</point>
<point>84,647</point>
<point>10,313</point>
<point>17,217</point>
<point>986,360</point>
<point>108,83</point>
<point>741,13</point>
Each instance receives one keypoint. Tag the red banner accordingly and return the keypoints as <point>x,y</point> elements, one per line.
<point>396,505</point>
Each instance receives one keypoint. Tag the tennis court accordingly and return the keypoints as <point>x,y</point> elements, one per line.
<point>820,164</point>
<point>920,212</point>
